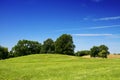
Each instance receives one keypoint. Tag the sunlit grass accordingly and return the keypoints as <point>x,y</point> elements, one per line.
<point>59,67</point>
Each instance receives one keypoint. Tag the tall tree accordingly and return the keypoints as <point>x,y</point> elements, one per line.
<point>64,45</point>
<point>48,46</point>
<point>3,52</point>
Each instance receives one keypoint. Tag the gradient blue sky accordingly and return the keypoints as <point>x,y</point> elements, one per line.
<point>90,22</point>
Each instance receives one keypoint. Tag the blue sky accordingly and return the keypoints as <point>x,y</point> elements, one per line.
<point>90,22</point>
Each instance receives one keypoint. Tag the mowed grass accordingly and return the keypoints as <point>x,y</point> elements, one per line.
<point>59,67</point>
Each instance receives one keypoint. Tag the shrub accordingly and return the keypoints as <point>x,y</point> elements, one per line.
<point>82,53</point>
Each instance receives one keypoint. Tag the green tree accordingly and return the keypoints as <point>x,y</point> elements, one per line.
<point>3,52</point>
<point>25,47</point>
<point>64,45</point>
<point>104,47</point>
<point>103,54</point>
<point>48,46</point>
<point>99,51</point>
<point>94,51</point>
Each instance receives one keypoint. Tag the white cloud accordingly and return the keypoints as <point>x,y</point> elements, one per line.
<point>92,35</point>
<point>101,27</point>
<point>107,18</point>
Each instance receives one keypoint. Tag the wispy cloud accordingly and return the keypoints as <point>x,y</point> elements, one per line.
<point>98,35</point>
<point>107,18</point>
<point>96,0</point>
<point>92,35</point>
<point>101,27</point>
<point>86,28</point>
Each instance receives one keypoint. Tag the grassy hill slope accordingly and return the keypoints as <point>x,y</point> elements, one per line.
<point>59,67</point>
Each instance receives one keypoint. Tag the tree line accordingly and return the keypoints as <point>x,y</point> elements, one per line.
<point>62,45</point>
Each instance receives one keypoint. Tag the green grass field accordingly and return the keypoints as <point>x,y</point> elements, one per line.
<point>59,67</point>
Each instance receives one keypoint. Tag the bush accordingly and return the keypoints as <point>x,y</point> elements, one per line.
<point>82,53</point>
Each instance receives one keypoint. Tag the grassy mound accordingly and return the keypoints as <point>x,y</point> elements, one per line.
<point>59,67</point>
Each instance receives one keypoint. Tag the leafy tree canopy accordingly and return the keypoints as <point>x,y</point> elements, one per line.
<point>64,45</point>
<point>99,51</point>
<point>25,47</point>
<point>48,46</point>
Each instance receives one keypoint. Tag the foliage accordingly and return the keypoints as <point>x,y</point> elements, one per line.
<point>48,46</point>
<point>103,47</point>
<point>82,53</point>
<point>3,52</point>
<point>64,45</point>
<point>99,51</point>
<point>25,47</point>
<point>94,51</point>
<point>103,54</point>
